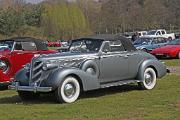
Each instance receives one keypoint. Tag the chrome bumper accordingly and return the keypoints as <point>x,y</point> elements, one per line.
<point>17,87</point>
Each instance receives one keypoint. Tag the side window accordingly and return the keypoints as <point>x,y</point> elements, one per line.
<point>29,46</point>
<point>116,46</point>
<point>18,46</point>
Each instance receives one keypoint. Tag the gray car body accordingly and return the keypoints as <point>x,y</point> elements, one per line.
<point>111,68</point>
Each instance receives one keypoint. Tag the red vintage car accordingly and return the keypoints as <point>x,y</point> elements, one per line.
<point>171,50</point>
<point>16,52</point>
<point>54,44</point>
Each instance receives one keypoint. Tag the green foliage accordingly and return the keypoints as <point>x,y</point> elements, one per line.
<point>33,15</point>
<point>63,20</point>
<point>10,21</point>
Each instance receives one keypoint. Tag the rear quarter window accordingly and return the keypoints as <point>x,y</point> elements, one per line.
<point>29,46</point>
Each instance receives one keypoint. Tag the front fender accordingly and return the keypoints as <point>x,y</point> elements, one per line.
<point>21,77</point>
<point>89,82</point>
<point>159,67</point>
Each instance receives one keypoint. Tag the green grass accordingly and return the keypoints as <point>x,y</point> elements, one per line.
<point>124,102</point>
<point>172,62</point>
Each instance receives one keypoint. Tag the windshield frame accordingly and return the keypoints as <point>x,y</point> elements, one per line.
<point>86,39</point>
<point>141,40</point>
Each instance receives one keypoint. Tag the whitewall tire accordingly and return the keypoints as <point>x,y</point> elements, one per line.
<point>68,91</point>
<point>149,80</point>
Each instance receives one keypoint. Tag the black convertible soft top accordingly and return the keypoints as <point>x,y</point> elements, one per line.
<point>40,44</point>
<point>109,37</point>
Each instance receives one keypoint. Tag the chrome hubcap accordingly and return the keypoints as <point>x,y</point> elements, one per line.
<point>69,90</point>
<point>148,78</point>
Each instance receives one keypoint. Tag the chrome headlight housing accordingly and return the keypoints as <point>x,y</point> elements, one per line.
<point>4,66</point>
<point>49,65</point>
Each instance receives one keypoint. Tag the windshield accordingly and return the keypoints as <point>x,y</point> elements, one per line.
<point>85,45</point>
<point>174,42</point>
<point>6,45</point>
<point>152,32</point>
<point>141,41</point>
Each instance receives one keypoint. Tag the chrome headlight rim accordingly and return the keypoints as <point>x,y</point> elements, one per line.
<point>4,66</point>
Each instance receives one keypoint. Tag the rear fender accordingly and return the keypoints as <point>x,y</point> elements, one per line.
<point>159,68</point>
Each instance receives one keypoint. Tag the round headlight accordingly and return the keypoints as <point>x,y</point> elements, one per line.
<point>3,66</point>
<point>45,67</point>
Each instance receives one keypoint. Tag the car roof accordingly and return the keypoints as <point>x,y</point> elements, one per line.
<point>109,37</point>
<point>40,44</point>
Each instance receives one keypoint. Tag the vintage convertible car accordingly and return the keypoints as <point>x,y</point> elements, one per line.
<point>171,50</point>
<point>91,63</point>
<point>16,52</point>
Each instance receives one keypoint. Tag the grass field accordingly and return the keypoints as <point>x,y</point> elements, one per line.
<point>124,102</point>
<point>172,62</point>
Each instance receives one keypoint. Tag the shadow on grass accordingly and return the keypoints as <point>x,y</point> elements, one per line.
<point>3,88</point>
<point>50,99</point>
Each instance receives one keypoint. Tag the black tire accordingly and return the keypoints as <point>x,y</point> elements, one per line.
<point>68,91</point>
<point>149,80</point>
<point>26,96</point>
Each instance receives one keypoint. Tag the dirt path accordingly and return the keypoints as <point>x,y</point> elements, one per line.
<point>175,69</point>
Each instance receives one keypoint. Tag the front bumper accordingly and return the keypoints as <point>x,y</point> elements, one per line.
<point>16,86</point>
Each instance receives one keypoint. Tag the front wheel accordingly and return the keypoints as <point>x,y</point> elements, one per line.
<point>68,91</point>
<point>149,80</point>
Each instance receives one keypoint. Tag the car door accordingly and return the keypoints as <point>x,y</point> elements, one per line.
<point>113,62</point>
<point>22,54</point>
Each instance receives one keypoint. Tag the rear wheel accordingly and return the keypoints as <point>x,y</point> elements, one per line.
<point>68,91</point>
<point>28,95</point>
<point>149,80</point>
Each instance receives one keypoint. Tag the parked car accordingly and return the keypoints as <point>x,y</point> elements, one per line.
<point>147,44</point>
<point>16,52</point>
<point>92,63</point>
<point>142,33</point>
<point>172,50</point>
<point>160,33</point>
<point>54,44</point>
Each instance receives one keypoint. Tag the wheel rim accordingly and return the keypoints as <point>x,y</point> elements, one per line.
<point>69,90</point>
<point>148,78</point>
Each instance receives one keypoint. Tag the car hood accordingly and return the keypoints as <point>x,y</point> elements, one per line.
<point>167,48</point>
<point>142,46</point>
<point>67,56</point>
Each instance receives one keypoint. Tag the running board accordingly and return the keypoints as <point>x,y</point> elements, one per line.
<point>124,82</point>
